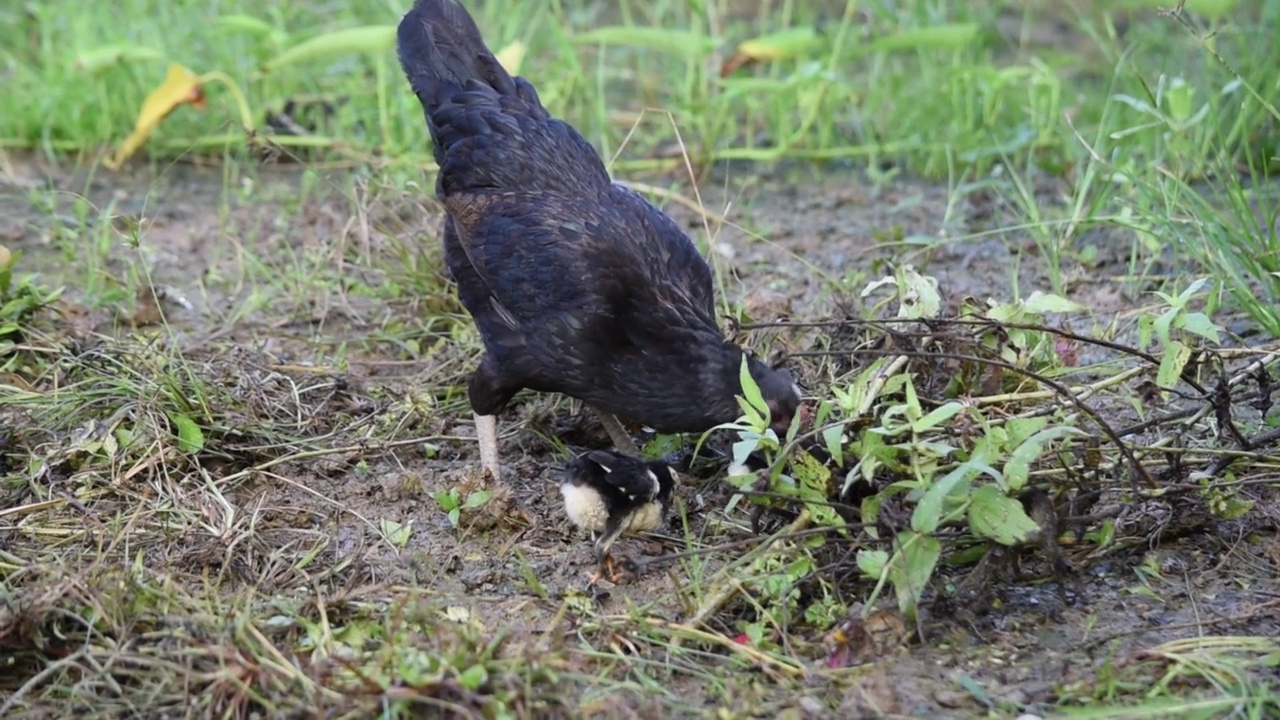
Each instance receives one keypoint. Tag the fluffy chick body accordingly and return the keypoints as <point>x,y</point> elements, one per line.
<point>610,494</point>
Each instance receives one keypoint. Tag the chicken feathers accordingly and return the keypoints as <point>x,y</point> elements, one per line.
<point>610,494</point>
<point>577,285</point>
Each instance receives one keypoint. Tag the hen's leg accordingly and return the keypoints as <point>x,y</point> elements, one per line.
<point>487,435</point>
<point>621,440</point>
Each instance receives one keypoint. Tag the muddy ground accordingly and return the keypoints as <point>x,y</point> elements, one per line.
<point>267,288</point>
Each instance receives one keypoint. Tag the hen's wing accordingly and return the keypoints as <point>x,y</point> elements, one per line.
<point>599,274</point>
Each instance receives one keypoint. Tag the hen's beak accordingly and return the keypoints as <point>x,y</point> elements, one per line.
<point>781,425</point>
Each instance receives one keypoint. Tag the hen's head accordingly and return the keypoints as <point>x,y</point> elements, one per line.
<point>780,392</point>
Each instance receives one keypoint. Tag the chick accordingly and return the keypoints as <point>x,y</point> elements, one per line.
<point>608,493</point>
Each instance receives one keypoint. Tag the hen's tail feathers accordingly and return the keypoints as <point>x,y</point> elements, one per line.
<point>489,129</point>
<point>441,51</point>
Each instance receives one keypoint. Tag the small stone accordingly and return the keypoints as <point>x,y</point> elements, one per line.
<point>811,706</point>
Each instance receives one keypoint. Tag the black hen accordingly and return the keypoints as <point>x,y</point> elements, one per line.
<point>609,494</point>
<point>577,285</point>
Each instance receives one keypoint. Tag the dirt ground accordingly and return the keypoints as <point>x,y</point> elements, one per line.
<point>382,365</point>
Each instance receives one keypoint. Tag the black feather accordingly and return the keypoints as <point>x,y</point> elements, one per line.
<point>577,285</point>
<point>624,480</point>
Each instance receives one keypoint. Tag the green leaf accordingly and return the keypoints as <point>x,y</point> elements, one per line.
<point>241,23</point>
<point>1185,296</point>
<point>477,499</point>
<point>814,478</point>
<point>101,57</point>
<point>938,37</point>
<point>743,448</point>
<point>1162,324</point>
<point>750,390</point>
<point>928,513</point>
<point>911,571</point>
<point>1199,324</point>
<point>190,437</point>
<point>8,259</point>
<point>397,533</point>
<point>1019,429</point>
<point>1178,94</point>
<point>473,677</point>
<point>782,45</point>
<point>661,446</point>
<point>918,294</point>
<point>370,39</point>
<point>665,40</point>
<point>1041,303</point>
<point>872,562</point>
<point>448,499</point>
<point>819,418</point>
<point>1018,468</point>
<point>997,516</point>
<point>1175,358</point>
<point>1231,508</point>
<point>831,437</point>
<point>870,512</point>
<point>937,416</point>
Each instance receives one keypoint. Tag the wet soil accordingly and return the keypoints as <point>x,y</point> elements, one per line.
<point>240,267</point>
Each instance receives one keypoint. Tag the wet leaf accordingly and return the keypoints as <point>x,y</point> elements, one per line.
<point>511,57</point>
<point>98,58</point>
<point>938,37</point>
<point>180,87</point>
<point>190,437</point>
<point>368,39</point>
<point>782,45</point>
<point>673,42</point>
<point>997,516</point>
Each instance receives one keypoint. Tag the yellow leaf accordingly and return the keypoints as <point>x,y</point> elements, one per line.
<point>511,56</point>
<point>180,87</point>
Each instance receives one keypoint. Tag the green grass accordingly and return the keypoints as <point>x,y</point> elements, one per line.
<point>1168,130</point>
<point>182,486</point>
